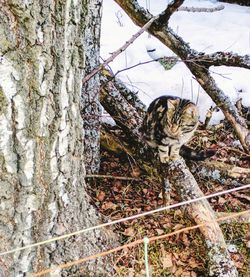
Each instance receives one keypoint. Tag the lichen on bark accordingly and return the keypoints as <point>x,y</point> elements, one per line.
<point>42,186</point>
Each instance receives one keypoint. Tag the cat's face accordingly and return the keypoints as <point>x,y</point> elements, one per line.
<point>180,118</point>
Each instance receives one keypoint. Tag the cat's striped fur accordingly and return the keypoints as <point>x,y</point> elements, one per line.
<point>169,123</point>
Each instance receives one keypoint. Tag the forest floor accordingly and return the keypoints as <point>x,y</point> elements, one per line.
<point>183,254</point>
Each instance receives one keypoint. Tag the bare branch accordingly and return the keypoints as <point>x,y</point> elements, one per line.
<point>178,173</point>
<point>206,10</point>
<point>120,50</point>
<point>245,218</point>
<point>221,58</point>
<point>171,8</point>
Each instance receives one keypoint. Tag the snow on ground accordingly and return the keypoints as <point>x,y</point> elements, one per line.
<point>225,30</point>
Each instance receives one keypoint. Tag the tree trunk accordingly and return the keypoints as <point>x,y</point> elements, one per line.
<point>42,187</point>
<point>91,108</point>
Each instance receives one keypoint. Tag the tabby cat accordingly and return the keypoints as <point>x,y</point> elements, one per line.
<point>169,123</point>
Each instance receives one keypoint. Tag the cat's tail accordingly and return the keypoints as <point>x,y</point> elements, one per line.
<point>190,154</point>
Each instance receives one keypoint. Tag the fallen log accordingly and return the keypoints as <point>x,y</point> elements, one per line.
<point>220,263</point>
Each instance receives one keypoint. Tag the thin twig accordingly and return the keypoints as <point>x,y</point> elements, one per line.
<point>120,50</point>
<point>110,177</point>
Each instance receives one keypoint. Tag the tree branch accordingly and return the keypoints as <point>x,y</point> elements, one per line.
<point>196,9</point>
<point>221,58</point>
<point>120,50</point>
<point>178,173</point>
<point>201,73</point>
<point>171,8</point>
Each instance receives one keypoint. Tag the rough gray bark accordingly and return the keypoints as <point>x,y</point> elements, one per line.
<point>220,263</point>
<point>91,108</point>
<point>42,187</point>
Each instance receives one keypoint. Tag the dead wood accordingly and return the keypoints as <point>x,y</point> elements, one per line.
<point>177,173</point>
<point>200,10</point>
<point>245,218</point>
<point>221,172</point>
<point>220,263</point>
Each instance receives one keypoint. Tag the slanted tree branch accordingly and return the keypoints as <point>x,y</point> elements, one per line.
<point>171,8</point>
<point>119,51</point>
<point>221,172</point>
<point>221,58</point>
<point>241,219</point>
<point>161,31</point>
<point>201,212</point>
<point>196,9</point>
<point>127,117</point>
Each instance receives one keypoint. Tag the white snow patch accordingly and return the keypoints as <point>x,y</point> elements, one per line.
<point>226,30</point>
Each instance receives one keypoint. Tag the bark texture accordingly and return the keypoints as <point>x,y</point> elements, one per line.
<point>42,187</point>
<point>220,263</point>
<point>91,108</point>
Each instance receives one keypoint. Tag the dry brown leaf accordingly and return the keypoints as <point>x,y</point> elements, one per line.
<point>177,213</point>
<point>179,272</point>
<point>185,239</point>
<point>108,205</point>
<point>178,227</point>
<point>131,272</point>
<point>192,263</point>
<point>248,244</point>
<point>101,195</point>
<point>222,200</point>
<point>160,231</point>
<point>167,261</point>
<point>136,172</point>
<point>176,255</point>
<point>129,232</point>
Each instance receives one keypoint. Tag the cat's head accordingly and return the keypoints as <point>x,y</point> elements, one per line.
<point>181,117</point>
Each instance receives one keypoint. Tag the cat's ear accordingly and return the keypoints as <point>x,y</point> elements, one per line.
<point>192,110</point>
<point>172,103</point>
